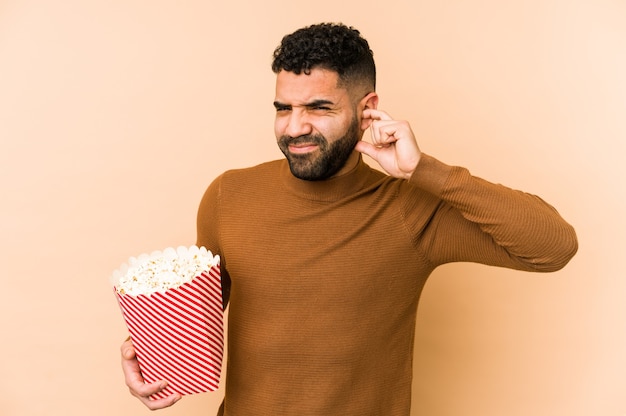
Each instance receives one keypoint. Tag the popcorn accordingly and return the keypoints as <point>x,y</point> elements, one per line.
<point>161,271</point>
<point>172,305</point>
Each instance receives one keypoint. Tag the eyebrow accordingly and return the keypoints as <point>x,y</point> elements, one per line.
<point>311,104</point>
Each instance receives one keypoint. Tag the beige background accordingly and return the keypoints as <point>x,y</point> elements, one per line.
<point>115,116</point>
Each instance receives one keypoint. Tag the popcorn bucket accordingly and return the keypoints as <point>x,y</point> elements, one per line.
<point>177,333</point>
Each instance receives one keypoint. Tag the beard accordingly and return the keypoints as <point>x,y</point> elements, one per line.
<point>327,160</point>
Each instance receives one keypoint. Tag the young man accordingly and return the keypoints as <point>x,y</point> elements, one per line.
<point>324,258</point>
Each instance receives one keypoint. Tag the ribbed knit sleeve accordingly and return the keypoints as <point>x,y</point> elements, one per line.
<point>489,223</point>
<point>209,231</point>
<point>208,218</point>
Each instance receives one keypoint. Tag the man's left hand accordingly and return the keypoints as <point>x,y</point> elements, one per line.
<point>393,145</point>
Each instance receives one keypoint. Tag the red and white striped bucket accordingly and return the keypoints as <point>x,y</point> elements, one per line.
<point>178,335</point>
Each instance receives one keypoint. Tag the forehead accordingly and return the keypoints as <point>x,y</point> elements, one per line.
<point>301,88</point>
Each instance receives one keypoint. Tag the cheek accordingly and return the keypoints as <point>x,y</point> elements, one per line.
<point>332,129</point>
<point>279,127</point>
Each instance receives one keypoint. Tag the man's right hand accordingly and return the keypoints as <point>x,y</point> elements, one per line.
<point>136,383</point>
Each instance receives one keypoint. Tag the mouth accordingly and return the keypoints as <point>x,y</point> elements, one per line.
<point>302,148</point>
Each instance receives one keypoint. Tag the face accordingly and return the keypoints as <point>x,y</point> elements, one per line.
<point>316,124</point>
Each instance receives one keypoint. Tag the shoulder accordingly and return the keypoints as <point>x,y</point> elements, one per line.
<point>245,181</point>
<point>262,170</point>
<point>243,176</point>
<point>239,183</point>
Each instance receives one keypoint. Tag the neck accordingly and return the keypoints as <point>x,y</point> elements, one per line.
<point>350,164</point>
<point>351,178</point>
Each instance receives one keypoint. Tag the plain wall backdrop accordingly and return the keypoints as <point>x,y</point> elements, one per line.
<point>116,115</point>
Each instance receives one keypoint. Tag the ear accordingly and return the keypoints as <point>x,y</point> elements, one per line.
<point>370,101</point>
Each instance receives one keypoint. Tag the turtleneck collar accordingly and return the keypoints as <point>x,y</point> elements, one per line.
<point>327,190</point>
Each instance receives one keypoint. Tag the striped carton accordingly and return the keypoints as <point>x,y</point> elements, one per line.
<point>178,334</point>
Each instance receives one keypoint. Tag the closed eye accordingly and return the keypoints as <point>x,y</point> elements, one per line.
<point>319,105</point>
<point>281,107</point>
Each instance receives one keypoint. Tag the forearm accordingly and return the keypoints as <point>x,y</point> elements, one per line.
<point>528,229</point>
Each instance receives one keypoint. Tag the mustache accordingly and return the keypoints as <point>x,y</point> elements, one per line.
<point>307,138</point>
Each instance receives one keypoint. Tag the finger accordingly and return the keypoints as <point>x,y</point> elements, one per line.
<point>374,114</point>
<point>384,132</point>
<point>161,403</point>
<point>136,383</point>
<point>130,365</point>
<point>145,391</point>
<point>127,349</point>
<point>154,404</point>
<point>132,372</point>
<point>366,148</point>
<point>388,133</point>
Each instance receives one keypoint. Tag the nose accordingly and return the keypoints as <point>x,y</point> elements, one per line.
<point>298,124</point>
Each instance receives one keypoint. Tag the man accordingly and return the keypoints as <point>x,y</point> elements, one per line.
<point>324,258</point>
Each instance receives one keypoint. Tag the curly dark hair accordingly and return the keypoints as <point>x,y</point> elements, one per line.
<point>331,46</point>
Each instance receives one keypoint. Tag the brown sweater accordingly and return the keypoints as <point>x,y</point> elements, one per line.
<point>326,276</point>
